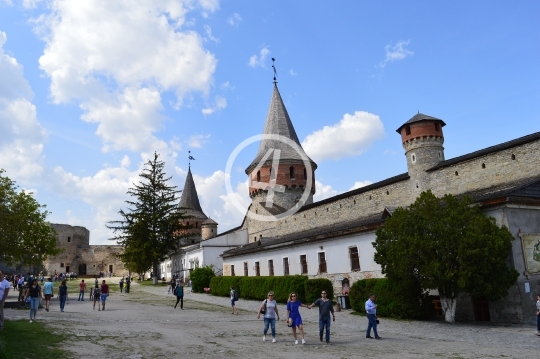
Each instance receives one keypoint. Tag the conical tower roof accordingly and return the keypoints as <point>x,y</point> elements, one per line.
<point>278,122</point>
<point>189,202</point>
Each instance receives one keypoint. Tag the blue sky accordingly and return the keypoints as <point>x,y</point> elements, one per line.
<point>90,89</point>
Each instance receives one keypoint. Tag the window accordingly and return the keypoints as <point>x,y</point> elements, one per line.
<point>483,165</point>
<point>245,269</point>
<point>257,269</point>
<point>291,172</point>
<point>305,174</point>
<point>303,263</point>
<point>270,267</point>
<point>285,266</point>
<point>355,259</point>
<point>513,157</point>
<point>69,239</point>
<point>232,270</point>
<point>258,176</point>
<point>196,224</point>
<point>62,265</point>
<point>456,173</point>
<point>407,130</point>
<point>322,262</point>
<point>413,158</point>
<point>437,126</point>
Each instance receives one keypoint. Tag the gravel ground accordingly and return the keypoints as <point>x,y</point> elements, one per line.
<point>144,324</point>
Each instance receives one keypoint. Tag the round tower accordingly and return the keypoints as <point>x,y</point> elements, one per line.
<point>422,138</point>
<point>278,175</point>
<point>209,229</point>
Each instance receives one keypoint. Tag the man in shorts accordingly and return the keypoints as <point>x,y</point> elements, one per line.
<point>104,293</point>
<point>233,300</point>
<point>4,290</point>
<point>48,292</point>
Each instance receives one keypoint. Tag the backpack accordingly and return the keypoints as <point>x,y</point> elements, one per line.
<point>235,295</point>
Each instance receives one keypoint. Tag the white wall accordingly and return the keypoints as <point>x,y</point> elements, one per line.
<point>336,252</point>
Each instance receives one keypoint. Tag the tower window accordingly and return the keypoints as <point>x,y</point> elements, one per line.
<point>437,126</point>
<point>457,173</point>
<point>258,176</point>
<point>69,239</point>
<point>407,130</point>
<point>387,192</point>
<point>513,156</point>
<point>291,172</point>
<point>354,202</point>
<point>413,158</point>
<point>370,198</point>
<point>305,174</point>
<point>483,165</point>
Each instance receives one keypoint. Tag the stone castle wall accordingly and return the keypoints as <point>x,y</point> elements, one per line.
<point>69,238</point>
<point>100,259</point>
<point>499,168</point>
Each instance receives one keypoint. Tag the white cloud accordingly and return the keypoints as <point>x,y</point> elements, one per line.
<point>116,58</point>
<point>21,135</point>
<point>292,72</point>
<point>125,162</point>
<point>323,191</point>
<point>209,35</point>
<point>359,184</point>
<point>197,141</point>
<point>234,20</point>
<point>219,104</point>
<point>350,137</point>
<point>396,52</point>
<point>259,60</point>
<point>31,4</point>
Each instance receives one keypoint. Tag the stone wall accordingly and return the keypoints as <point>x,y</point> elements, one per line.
<point>100,259</point>
<point>69,238</point>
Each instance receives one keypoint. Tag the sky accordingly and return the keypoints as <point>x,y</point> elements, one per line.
<point>89,90</point>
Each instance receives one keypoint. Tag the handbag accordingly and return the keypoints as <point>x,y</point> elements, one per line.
<point>263,309</point>
<point>27,300</point>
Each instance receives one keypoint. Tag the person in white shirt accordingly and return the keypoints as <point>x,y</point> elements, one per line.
<point>4,290</point>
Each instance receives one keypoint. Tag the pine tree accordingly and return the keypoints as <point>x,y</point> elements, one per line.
<point>151,228</point>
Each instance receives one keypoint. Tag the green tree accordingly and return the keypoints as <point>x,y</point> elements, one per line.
<point>26,238</point>
<point>151,227</point>
<point>200,278</point>
<point>447,244</point>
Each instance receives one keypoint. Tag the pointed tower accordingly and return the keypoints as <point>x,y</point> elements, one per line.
<point>190,206</point>
<point>422,138</point>
<point>278,170</point>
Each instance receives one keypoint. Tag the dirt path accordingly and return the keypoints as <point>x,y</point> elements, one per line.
<point>144,324</point>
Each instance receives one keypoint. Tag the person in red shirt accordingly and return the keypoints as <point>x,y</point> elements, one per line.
<point>82,289</point>
<point>104,293</point>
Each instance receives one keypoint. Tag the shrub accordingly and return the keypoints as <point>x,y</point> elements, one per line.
<point>314,287</point>
<point>258,287</point>
<point>201,277</point>
<point>394,300</point>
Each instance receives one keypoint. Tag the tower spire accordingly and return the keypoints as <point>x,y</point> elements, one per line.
<point>190,158</point>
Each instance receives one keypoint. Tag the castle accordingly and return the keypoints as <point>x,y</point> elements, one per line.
<point>285,233</point>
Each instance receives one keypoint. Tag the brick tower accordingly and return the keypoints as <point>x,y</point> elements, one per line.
<point>422,139</point>
<point>278,174</point>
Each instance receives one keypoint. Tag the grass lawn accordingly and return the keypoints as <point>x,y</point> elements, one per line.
<point>21,339</point>
<point>149,283</point>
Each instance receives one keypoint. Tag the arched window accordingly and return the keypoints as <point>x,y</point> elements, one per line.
<point>407,130</point>
<point>258,176</point>
<point>291,172</point>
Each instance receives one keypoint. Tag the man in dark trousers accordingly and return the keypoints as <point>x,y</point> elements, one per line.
<point>179,292</point>
<point>325,308</point>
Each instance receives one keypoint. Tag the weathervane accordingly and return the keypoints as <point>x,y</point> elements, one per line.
<point>190,158</point>
<point>275,72</point>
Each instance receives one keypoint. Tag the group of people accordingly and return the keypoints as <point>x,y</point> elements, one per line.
<point>126,281</point>
<point>269,310</point>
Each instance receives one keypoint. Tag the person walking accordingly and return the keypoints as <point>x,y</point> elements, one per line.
<point>97,297</point>
<point>270,312</point>
<point>293,316</point>
<point>121,284</point>
<point>371,311</point>
<point>34,292</point>
<point>63,295</point>
<point>96,283</point>
<point>537,315</point>
<point>325,308</point>
<point>104,293</point>
<point>128,284</point>
<point>234,298</point>
<point>48,291</point>
<point>4,290</point>
<point>82,289</point>
<point>179,292</point>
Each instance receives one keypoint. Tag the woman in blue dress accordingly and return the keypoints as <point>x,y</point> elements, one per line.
<point>293,316</point>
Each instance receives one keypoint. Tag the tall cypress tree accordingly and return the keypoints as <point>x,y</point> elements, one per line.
<point>151,228</point>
